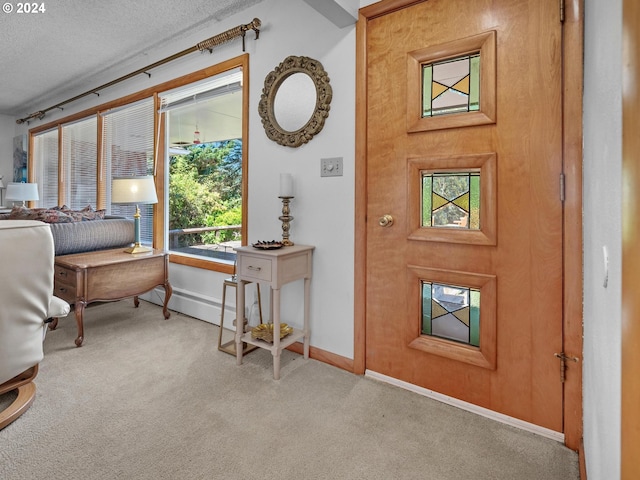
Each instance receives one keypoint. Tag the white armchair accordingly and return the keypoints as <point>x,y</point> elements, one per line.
<point>26,302</point>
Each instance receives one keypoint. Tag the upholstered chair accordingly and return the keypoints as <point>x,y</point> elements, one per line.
<point>26,302</point>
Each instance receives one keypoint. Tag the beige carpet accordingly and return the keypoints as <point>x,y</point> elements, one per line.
<point>146,398</point>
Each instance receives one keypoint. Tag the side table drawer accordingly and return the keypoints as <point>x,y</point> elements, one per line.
<point>256,268</point>
<point>64,275</point>
<point>64,285</point>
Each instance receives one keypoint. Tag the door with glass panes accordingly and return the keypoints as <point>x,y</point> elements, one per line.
<point>464,216</point>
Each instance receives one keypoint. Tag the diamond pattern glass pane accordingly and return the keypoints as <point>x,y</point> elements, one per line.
<point>451,86</point>
<point>451,312</point>
<point>451,200</point>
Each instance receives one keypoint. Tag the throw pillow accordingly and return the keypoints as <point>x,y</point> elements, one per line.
<point>53,216</point>
<point>88,213</point>
<point>41,214</point>
<point>22,213</point>
<point>85,214</point>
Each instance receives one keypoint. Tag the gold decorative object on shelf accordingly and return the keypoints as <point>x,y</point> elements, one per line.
<point>286,221</point>
<point>264,331</point>
<point>286,194</point>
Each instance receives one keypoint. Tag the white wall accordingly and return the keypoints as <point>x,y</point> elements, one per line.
<point>602,227</point>
<point>323,208</point>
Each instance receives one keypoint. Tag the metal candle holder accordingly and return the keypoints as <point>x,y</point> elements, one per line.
<point>286,219</point>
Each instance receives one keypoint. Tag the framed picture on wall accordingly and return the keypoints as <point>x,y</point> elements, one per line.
<point>20,147</point>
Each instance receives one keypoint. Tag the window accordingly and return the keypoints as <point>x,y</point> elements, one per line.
<point>69,176</point>
<point>451,200</point>
<point>188,133</point>
<point>127,150</point>
<point>204,130</point>
<point>451,86</point>
<point>454,315</point>
<point>79,160</point>
<point>451,312</point>
<point>45,162</point>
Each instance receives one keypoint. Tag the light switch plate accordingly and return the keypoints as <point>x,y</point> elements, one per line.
<point>331,167</point>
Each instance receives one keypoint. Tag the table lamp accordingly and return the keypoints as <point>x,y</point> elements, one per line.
<point>22,191</point>
<point>136,191</point>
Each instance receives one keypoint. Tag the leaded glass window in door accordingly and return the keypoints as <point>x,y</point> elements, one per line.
<point>451,200</point>
<point>451,312</point>
<point>451,86</point>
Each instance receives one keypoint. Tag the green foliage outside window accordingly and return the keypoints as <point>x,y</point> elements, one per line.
<point>205,190</point>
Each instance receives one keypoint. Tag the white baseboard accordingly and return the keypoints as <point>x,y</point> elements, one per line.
<point>499,417</point>
<point>192,304</point>
<point>206,308</point>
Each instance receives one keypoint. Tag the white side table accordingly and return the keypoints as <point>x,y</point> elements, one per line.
<point>277,268</point>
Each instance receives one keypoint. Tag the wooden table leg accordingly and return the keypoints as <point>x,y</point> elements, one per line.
<point>53,324</point>
<point>167,295</point>
<point>136,302</point>
<point>79,310</point>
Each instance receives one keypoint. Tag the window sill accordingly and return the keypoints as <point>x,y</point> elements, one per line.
<point>205,263</point>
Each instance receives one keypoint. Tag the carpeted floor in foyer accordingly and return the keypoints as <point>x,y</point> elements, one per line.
<point>146,398</point>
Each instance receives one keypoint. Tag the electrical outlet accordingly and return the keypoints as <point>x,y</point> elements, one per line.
<point>331,167</point>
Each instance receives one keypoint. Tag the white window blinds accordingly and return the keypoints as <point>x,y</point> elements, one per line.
<point>222,84</point>
<point>45,162</point>
<point>127,142</point>
<point>80,163</point>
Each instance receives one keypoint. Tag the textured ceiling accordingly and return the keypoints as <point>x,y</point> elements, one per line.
<point>68,48</point>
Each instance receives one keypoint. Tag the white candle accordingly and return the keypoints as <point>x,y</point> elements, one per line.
<point>286,185</point>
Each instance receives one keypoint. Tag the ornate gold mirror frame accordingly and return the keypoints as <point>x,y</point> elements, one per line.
<point>323,94</point>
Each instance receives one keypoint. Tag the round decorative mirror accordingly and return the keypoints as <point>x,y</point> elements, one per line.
<point>295,101</point>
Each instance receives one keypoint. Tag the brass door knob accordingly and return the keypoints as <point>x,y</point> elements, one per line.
<point>385,221</point>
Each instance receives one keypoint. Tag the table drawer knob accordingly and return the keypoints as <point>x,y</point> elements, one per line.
<point>255,269</point>
<point>62,273</point>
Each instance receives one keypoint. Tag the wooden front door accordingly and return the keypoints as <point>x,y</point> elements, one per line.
<point>464,232</point>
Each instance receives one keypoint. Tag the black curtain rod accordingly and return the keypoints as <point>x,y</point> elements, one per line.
<point>207,44</point>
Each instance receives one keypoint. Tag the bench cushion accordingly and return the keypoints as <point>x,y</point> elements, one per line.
<point>95,235</point>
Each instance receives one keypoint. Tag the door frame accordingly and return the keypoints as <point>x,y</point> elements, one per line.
<point>630,385</point>
<point>572,71</point>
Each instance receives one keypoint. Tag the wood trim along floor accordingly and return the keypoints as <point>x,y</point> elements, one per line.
<point>582,461</point>
<point>323,356</point>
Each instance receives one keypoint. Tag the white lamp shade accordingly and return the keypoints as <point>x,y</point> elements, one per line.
<point>23,192</point>
<point>135,190</point>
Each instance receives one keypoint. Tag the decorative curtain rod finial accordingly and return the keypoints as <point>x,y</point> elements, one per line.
<point>255,26</point>
<point>230,34</point>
